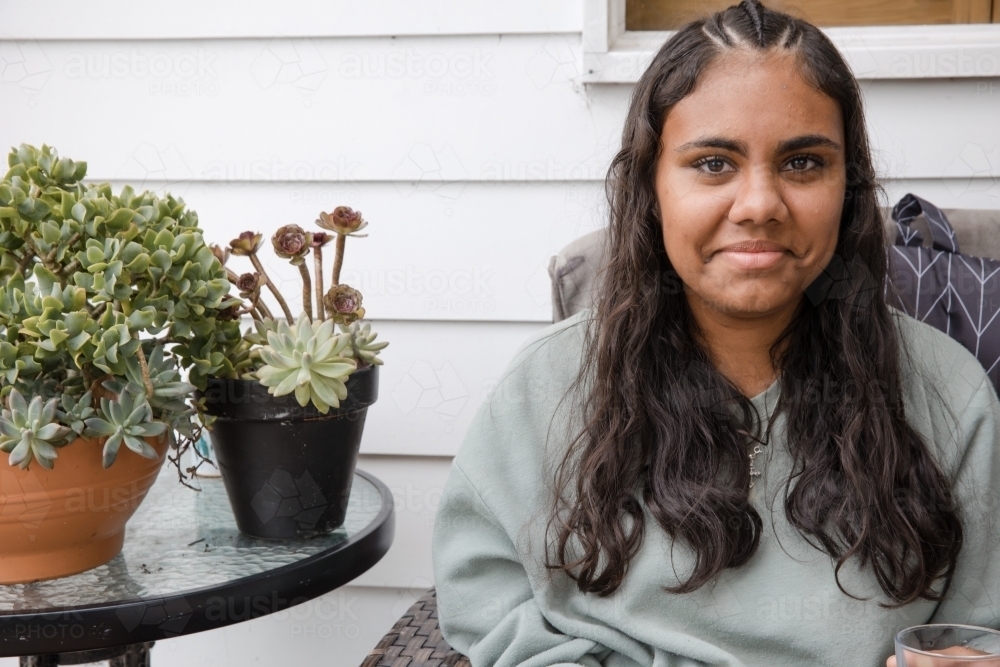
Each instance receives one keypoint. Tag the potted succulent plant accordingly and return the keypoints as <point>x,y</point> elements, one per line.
<point>288,416</point>
<point>106,298</point>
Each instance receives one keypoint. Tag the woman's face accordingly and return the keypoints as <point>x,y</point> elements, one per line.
<point>750,185</point>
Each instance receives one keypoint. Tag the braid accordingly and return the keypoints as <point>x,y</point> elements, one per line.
<point>715,30</point>
<point>752,8</point>
<point>792,34</point>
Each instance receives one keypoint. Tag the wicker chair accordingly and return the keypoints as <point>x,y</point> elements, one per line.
<point>416,641</point>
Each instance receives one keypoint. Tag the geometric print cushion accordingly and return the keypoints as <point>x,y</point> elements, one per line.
<point>952,292</point>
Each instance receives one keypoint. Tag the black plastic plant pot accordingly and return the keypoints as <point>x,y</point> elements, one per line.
<point>287,469</point>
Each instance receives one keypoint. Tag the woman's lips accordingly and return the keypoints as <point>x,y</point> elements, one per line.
<point>753,260</point>
<point>753,255</point>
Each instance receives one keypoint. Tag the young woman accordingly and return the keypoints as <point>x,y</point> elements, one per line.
<point>730,459</point>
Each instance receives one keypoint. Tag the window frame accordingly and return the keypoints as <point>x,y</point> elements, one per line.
<point>612,54</point>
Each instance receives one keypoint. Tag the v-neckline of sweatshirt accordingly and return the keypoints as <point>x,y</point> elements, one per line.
<point>767,399</point>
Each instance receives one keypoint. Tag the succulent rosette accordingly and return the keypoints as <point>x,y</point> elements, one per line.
<point>320,239</point>
<point>292,242</point>
<point>246,243</point>
<point>31,431</point>
<point>342,220</point>
<point>306,359</point>
<point>304,355</point>
<point>127,419</point>
<point>363,345</point>
<point>343,302</point>
<point>248,284</point>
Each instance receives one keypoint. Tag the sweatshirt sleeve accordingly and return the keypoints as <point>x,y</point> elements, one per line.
<point>486,605</point>
<point>973,596</point>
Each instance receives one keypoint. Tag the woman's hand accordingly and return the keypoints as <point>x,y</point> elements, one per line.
<point>915,660</point>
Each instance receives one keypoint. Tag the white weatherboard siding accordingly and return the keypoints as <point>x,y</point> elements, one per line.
<point>416,484</point>
<point>464,134</point>
<point>407,109</point>
<point>368,108</point>
<point>114,19</point>
<point>434,378</point>
<point>453,251</point>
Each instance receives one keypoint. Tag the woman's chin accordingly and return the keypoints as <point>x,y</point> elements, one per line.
<point>737,295</point>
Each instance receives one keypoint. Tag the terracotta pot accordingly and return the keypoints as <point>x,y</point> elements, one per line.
<point>58,522</point>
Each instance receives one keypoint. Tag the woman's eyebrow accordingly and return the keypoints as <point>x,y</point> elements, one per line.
<point>740,148</point>
<point>807,141</point>
<point>732,145</point>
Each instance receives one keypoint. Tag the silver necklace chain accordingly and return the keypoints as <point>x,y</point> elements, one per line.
<point>758,447</point>
<point>754,472</point>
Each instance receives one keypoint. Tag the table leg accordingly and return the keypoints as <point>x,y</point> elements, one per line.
<point>136,655</point>
<point>40,661</point>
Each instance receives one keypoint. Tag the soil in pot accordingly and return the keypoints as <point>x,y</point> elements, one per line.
<point>71,518</point>
<point>288,469</point>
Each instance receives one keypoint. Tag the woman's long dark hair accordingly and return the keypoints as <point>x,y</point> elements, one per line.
<point>660,419</point>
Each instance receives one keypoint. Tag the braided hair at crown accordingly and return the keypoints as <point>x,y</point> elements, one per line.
<point>753,9</point>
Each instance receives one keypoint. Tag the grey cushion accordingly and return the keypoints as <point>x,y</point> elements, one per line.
<point>574,270</point>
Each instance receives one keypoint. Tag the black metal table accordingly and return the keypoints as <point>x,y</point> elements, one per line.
<point>185,568</point>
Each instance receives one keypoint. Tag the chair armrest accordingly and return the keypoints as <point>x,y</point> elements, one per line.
<point>416,637</point>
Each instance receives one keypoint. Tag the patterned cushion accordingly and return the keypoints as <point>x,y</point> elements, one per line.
<point>956,293</point>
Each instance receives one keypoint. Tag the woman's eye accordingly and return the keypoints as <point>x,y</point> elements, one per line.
<point>803,163</point>
<point>713,165</point>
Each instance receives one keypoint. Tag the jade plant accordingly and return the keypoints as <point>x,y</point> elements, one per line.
<point>304,355</point>
<point>106,300</point>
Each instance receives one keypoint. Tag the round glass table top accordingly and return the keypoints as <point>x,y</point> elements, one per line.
<point>182,551</point>
<point>179,540</point>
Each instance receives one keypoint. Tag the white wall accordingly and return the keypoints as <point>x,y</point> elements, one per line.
<point>463,134</point>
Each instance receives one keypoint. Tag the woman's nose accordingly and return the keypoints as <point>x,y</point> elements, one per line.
<point>758,199</point>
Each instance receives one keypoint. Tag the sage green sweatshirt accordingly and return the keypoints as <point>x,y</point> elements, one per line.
<point>500,606</point>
